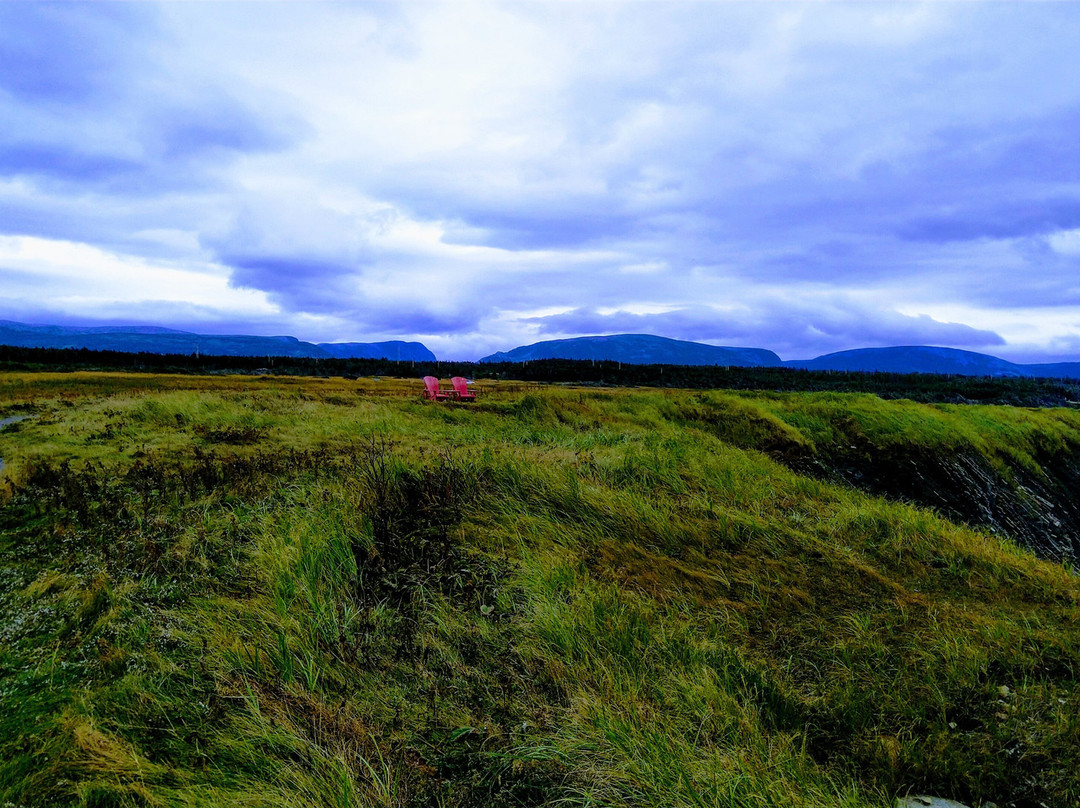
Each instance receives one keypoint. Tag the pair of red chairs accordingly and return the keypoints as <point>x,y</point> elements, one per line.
<point>461,391</point>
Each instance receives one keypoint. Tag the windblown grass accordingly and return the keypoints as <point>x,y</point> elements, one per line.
<point>288,592</point>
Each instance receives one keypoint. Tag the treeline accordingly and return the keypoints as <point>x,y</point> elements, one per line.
<point>1030,392</point>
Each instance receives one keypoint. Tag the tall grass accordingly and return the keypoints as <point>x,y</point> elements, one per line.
<point>222,592</point>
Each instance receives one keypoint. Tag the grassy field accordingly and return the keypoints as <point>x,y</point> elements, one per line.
<point>237,591</point>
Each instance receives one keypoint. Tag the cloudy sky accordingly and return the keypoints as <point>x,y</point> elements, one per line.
<point>800,177</point>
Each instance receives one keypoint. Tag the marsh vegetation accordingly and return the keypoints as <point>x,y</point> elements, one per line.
<point>317,592</point>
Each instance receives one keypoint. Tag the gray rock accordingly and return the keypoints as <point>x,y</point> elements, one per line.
<point>921,801</point>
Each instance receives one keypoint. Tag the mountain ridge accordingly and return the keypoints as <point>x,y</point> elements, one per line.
<point>641,349</point>
<point>900,358</point>
<point>892,359</point>
<point>161,340</point>
<point>932,359</point>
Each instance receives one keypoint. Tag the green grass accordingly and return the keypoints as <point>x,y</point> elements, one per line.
<point>220,591</point>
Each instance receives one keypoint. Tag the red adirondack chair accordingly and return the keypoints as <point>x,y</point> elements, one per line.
<point>432,391</point>
<point>461,389</point>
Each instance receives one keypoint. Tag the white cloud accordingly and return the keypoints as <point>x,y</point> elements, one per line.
<point>80,279</point>
<point>1022,328</point>
<point>1065,242</point>
<point>446,170</point>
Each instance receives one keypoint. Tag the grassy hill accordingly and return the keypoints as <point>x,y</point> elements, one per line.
<point>220,591</point>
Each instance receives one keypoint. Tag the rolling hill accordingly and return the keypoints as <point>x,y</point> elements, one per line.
<point>638,349</point>
<point>646,349</point>
<point>912,359</point>
<point>155,339</point>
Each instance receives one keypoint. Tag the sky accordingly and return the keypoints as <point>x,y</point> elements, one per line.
<point>804,177</point>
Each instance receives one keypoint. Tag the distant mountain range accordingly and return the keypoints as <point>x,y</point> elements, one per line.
<point>644,349</point>
<point>912,359</point>
<point>632,349</point>
<point>639,349</point>
<point>926,359</point>
<point>153,339</point>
